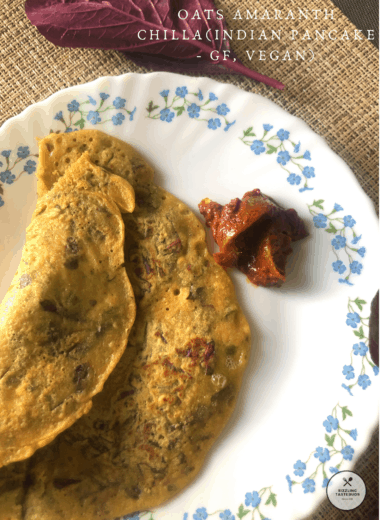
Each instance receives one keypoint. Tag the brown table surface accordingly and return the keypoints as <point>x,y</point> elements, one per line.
<point>337,95</point>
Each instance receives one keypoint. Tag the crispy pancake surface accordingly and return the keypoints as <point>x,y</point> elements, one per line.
<point>174,388</point>
<point>58,151</point>
<point>65,320</point>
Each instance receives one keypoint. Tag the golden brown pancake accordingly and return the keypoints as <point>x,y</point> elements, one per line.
<point>58,151</point>
<point>173,390</point>
<point>65,320</point>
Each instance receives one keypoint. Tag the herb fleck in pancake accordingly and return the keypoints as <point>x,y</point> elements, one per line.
<point>174,388</point>
<point>65,320</point>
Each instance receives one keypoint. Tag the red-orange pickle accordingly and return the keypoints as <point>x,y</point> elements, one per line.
<point>254,235</point>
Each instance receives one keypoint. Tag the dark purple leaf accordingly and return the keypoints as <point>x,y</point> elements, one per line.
<point>374,330</point>
<point>115,24</point>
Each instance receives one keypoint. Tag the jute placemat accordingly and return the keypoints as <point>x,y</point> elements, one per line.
<point>336,94</point>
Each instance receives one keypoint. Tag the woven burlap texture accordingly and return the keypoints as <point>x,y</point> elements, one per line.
<point>336,95</point>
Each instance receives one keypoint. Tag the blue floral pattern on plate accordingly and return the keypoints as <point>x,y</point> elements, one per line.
<point>94,112</point>
<point>359,352</point>
<point>344,239</point>
<point>287,153</point>
<point>196,105</point>
<point>326,460</point>
<point>15,164</point>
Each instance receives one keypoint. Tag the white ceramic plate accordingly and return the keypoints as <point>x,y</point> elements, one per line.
<point>309,400</point>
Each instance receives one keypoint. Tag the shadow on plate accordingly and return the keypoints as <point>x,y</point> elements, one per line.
<point>367,466</point>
